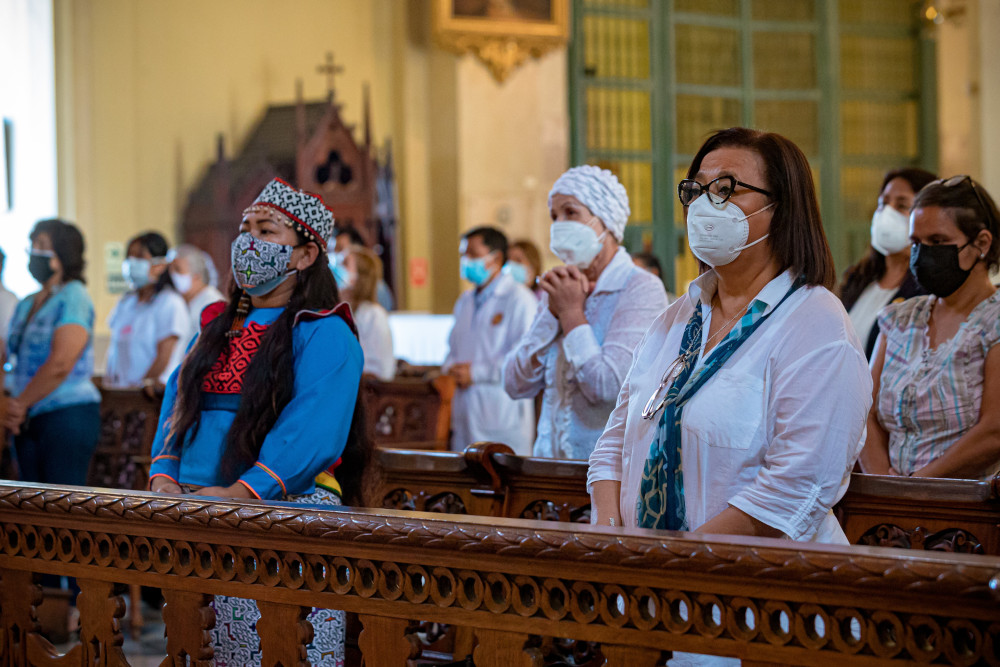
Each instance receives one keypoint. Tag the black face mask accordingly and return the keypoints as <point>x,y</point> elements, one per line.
<point>937,269</point>
<point>39,268</point>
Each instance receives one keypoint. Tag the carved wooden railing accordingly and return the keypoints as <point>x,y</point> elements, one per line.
<point>638,593</point>
<point>411,412</point>
<point>488,479</point>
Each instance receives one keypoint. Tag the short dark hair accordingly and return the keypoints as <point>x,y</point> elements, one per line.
<point>916,177</point>
<point>971,213</point>
<point>492,238</point>
<point>796,238</point>
<point>156,246</point>
<point>67,244</point>
<point>353,234</point>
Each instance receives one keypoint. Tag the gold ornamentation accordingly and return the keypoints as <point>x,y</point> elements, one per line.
<point>499,35</point>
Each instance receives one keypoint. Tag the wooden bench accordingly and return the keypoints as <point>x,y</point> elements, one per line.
<point>633,594</point>
<point>409,412</point>
<point>935,514</point>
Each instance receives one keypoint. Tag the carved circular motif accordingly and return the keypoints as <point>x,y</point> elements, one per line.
<point>743,619</point>
<point>776,622</point>
<point>614,606</point>
<point>812,626</point>
<point>885,634</point>
<point>390,581</point>
<point>924,640</point>
<point>555,599</point>
<point>317,573</point>
<point>497,597</point>
<point>470,590</point>
<point>848,630</point>
<point>526,595</point>
<point>584,602</point>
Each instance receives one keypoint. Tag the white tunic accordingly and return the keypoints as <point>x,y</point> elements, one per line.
<point>582,372</point>
<point>375,336</point>
<point>775,432</point>
<point>483,334</point>
<point>206,297</point>
<point>136,330</point>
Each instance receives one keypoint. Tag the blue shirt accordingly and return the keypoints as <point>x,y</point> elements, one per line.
<point>309,434</point>
<point>30,343</point>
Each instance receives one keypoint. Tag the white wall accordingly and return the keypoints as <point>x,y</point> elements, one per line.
<point>27,101</point>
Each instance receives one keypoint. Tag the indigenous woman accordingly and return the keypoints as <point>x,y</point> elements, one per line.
<point>265,403</point>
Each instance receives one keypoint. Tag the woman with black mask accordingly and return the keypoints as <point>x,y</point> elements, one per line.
<point>54,410</point>
<point>936,368</point>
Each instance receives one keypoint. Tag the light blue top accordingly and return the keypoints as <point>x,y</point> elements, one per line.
<point>310,433</point>
<point>29,344</point>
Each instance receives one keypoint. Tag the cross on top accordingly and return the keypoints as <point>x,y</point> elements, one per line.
<point>331,70</point>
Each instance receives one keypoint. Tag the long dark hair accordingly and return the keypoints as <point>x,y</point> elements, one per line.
<point>872,265</point>
<point>67,244</point>
<point>156,246</point>
<point>796,238</point>
<point>268,385</point>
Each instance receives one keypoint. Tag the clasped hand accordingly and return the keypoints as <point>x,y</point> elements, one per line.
<point>568,289</point>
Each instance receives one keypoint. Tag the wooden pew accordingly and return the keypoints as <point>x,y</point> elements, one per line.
<point>409,412</point>
<point>128,427</point>
<point>635,594</point>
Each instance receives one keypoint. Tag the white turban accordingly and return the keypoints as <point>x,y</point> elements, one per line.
<point>600,191</point>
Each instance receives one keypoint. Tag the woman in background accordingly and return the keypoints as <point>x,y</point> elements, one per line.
<point>54,410</point>
<point>883,276</point>
<point>149,322</point>
<point>936,367</point>
<point>524,264</point>
<point>358,274</point>
<point>193,275</point>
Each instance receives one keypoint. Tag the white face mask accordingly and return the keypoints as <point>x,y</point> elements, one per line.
<point>717,236</point>
<point>575,243</point>
<point>183,282</point>
<point>890,231</point>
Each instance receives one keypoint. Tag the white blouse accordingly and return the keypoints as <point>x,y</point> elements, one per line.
<point>582,372</point>
<point>774,433</point>
<point>375,336</point>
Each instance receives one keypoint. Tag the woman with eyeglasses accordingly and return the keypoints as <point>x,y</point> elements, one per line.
<point>149,322</point>
<point>744,409</point>
<point>883,276</point>
<point>936,368</point>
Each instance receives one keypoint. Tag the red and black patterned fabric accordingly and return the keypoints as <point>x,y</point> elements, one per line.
<point>306,210</point>
<point>226,376</point>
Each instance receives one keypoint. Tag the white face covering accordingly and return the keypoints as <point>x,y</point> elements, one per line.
<point>575,243</point>
<point>183,282</point>
<point>717,236</point>
<point>890,231</point>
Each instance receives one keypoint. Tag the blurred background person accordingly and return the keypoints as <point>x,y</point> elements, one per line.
<point>344,238</point>
<point>490,320</point>
<point>54,412</point>
<point>358,272</point>
<point>649,262</point>
<point>148,323</point>
<point>8,302</point>
<point>936,367</point>
<point>524,264</point>
<point>193,275</point>
<point>594,312</point>
<point>883,276</point>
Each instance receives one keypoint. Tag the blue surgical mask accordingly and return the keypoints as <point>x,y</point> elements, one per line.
<point>135,270</point>
<point>344,277</point>
<point>517,271</point>
<point>475,271</point>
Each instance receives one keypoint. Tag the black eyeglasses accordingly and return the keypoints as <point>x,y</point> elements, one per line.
<point>962,178</point>
<point>719,191</point>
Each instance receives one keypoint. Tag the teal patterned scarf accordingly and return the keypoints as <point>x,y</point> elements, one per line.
<point>661,493</point>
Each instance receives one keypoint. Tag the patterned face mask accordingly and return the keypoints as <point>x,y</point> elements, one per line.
<point>260,266</point>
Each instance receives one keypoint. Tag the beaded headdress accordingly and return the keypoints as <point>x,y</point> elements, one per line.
<point>303,211</point>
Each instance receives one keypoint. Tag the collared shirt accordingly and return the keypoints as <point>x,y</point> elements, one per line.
<point>489,323</point>
<point>30,344</point>
<point>930,397</point>
<point>376,339</point>
<point>582,372</point>
<point>774,433</point>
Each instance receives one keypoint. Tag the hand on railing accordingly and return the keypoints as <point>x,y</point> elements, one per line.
<point>160,484</point>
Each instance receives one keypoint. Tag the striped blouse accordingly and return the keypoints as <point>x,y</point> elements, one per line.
<point>929,397</point>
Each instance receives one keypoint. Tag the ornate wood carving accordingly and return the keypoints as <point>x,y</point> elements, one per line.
<point>633,656</point>
<point>284,634</point>
<point>505,649</point>
<point>383,641</point>
<point>952,540</point>
<point>190,617</point>
<point>409,412</point>
<point>764,600</point>
<point>100,625</point>
<point>128,426</point>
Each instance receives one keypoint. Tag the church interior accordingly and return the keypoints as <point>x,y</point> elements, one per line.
<point>418,122</point>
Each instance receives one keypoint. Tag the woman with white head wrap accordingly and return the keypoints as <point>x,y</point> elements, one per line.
<point>593,313</point>
<point>196,278</point>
